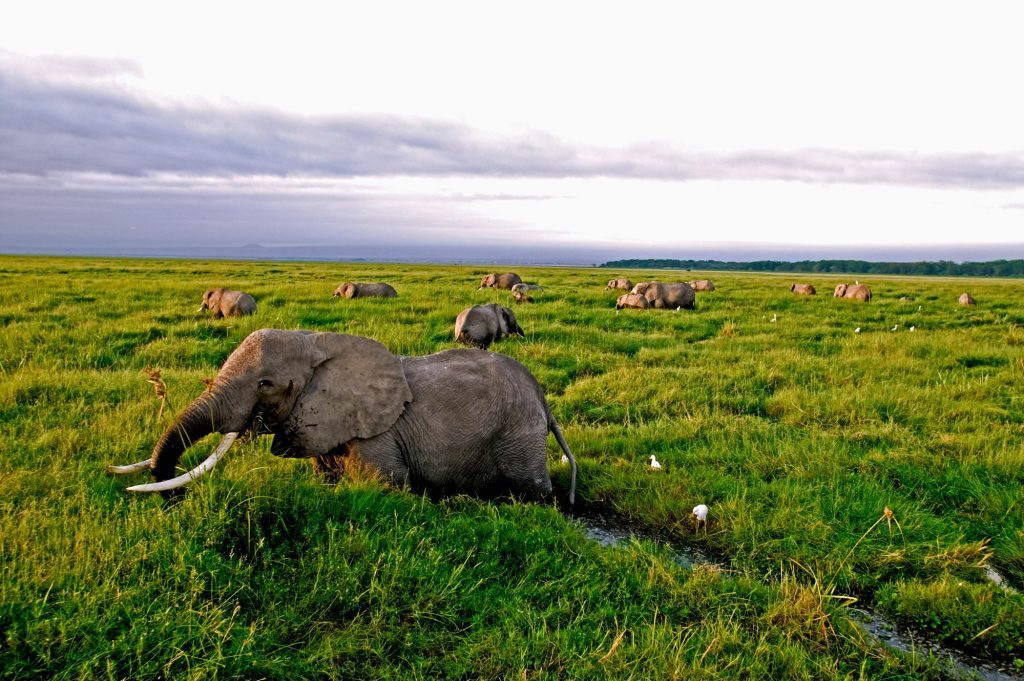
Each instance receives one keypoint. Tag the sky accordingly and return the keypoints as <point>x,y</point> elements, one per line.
<point>535,130</point>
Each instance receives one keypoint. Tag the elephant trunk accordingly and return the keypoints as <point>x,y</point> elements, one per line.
<point>197,421</point>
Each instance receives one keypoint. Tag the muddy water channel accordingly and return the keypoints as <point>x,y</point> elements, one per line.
<point>614,532</point>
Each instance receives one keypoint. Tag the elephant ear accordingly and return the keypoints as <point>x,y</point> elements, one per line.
<point>358,390</point>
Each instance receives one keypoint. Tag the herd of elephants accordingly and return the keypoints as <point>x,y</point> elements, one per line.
<point>457,421</point>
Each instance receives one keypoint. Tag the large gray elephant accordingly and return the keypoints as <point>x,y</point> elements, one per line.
<point>803,289</point>
<point>622,283</point>
<point>856,292</point>
<point>482,325</point>
<point>357,289</point>
<point>457,421</point>
<point>225,303</point>
<point>666,296</point>
<point>505,281</point>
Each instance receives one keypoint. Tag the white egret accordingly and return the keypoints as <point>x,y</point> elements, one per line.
<point>912,328</point>
<point>655,464</point>
<point>895,326</point>
<point>700,513</point>
<point>857,330</point>
<point>775,318</point>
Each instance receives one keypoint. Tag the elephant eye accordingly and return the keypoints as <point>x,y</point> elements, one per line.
<point>265,383</point>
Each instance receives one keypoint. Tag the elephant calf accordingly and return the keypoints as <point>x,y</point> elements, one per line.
<point>482,325</point>
<point>701,285</point>
<point>803,289</point>
<point>624,284</point>
<point>856,292</point>
<point>225,303</point>
<point>505,281</point>
<point>525,288</point>
<point>457,421</point>
<point>633,300</point>
<point>521,297</point>
<point>666,296</point>
<point>360,290</point>
<point>966,299</point>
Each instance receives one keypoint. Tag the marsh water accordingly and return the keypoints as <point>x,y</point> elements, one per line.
<point>612,531</point>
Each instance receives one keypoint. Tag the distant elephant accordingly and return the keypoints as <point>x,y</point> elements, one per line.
<point>625,284</point>
<point>524,288</point>
<point>360,290</point>
<point>857,292</point>
<point>456,421</point>
<point>966,299</point>
<point>803,289</point>
<point>634,300</point>
<point>225,303</point>
<point>505,281</point>
<point>701,285</point>
<point>666,296</point>
<point>482,325</point>
<point>521,297</point>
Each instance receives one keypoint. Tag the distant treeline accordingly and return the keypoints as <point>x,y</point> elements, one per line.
<point>994,268</point>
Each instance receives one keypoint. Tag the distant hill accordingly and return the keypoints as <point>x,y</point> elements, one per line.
<point>947,268</point>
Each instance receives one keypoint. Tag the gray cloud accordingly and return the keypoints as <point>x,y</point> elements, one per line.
<point>61,115</point>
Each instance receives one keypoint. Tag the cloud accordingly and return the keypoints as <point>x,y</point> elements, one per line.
<point>69,115</point>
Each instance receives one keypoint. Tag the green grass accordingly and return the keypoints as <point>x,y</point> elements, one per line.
<point>798,434</point>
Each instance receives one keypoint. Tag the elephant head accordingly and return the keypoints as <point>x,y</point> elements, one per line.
<point>488,281</point>
<point>507,322</point>
<point>211,299</point>
<point>313,391</point>
<point>348,290</point>
<point>840,291</point>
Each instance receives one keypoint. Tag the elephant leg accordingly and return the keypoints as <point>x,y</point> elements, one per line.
<point>522,461</point>
<point>382,457</point>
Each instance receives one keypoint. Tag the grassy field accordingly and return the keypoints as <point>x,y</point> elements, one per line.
<point>798,434</point>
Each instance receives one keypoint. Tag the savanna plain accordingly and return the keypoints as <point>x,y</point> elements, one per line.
<point>878,469</point>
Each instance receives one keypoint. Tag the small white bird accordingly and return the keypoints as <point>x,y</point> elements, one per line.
<point>700,515</point>
<point>775,318</point>
<point>565,459</point>
<point>857,330</point>
<point>895,326</point>
<point>911,328</point>
<point>655,464</point>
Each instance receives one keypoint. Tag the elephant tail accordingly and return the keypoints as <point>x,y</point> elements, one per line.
<point>557,432</point>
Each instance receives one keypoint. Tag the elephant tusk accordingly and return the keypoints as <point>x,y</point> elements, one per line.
<point>130,468</point>
<point>185,478</point>
<point>200,309</point>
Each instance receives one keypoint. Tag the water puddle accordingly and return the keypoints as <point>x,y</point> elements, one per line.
<point>611,531</point>
<point>998,579</point>
<point>614,532</point>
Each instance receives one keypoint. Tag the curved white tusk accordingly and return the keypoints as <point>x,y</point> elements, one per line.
<point>200,309</point>
<point>130,468</point>
<point>185,478</point>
